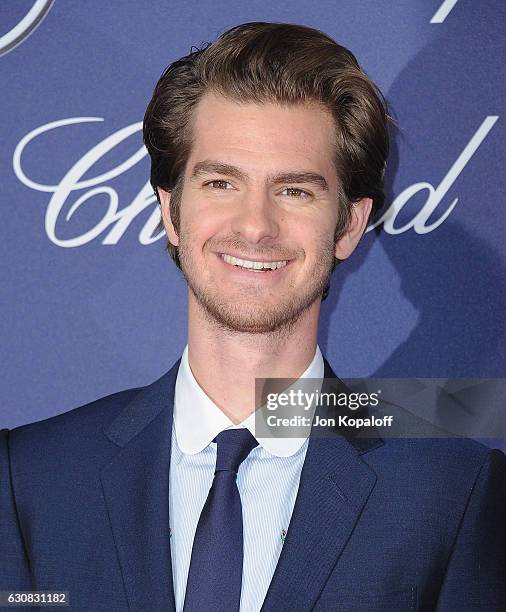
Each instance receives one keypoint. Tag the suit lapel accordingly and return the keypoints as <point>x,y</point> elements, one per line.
<point>334,487</point>
<point>136,490</point>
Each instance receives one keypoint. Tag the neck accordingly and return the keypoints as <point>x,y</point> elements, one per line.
<point>225,363</point>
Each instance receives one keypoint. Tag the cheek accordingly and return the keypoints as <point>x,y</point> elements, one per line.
<point>315,234</point>
<point>202,224</point>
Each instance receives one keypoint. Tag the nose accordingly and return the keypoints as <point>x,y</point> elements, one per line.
<point>256,218</point>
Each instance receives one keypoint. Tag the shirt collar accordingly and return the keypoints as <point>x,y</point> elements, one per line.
<point>198,420</point>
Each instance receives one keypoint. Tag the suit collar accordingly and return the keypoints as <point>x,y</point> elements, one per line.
<point>159,395</point>
<point>144,408</point>
<point>361,441</point>
<point>334,487</point>
<point>136,491</point>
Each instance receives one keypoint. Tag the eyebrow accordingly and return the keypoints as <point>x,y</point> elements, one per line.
<point>301,176</point>
<point>297,176</point>
<point>215,167</point>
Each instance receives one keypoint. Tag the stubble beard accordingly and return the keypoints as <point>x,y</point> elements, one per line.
<point>237,314</point>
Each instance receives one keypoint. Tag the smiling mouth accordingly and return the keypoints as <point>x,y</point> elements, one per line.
<point>253,266</point>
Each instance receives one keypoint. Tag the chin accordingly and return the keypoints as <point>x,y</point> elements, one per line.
<point>253,317</point>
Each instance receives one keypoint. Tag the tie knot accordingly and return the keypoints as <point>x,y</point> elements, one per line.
<point>234,445</point>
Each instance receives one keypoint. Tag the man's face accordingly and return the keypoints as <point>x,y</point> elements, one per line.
<point>260,192</point>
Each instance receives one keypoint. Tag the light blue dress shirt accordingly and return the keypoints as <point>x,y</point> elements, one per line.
<point>268,481</point>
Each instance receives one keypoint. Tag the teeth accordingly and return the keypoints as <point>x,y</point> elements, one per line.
<point>255,266</point>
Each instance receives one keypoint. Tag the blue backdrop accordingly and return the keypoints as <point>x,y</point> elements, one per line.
<point>91,304</point>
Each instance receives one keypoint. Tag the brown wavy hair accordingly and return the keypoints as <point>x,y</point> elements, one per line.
<point>272,62</point>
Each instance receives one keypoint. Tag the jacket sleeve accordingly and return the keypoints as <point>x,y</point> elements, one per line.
<point>475,579</point>
<point>14,566</point>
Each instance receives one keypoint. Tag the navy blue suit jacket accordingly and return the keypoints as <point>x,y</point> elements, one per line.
<point>378,524</point>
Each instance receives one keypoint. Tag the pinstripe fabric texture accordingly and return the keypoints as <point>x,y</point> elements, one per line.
<point>267,480</point>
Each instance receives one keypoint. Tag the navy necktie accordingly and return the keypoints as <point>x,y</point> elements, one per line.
<point>215,574</point>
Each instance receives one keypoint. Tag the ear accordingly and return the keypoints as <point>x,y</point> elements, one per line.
<point>358,221</point>
<point>167,222</point>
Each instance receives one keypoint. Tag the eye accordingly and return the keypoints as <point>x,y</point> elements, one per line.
<point>295,192</point>
<point>219,184</point>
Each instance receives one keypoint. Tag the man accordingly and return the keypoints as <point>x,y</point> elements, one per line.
<point>268,150</point>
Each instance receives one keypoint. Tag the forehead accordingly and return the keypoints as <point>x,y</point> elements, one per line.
<point>263,133</point>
